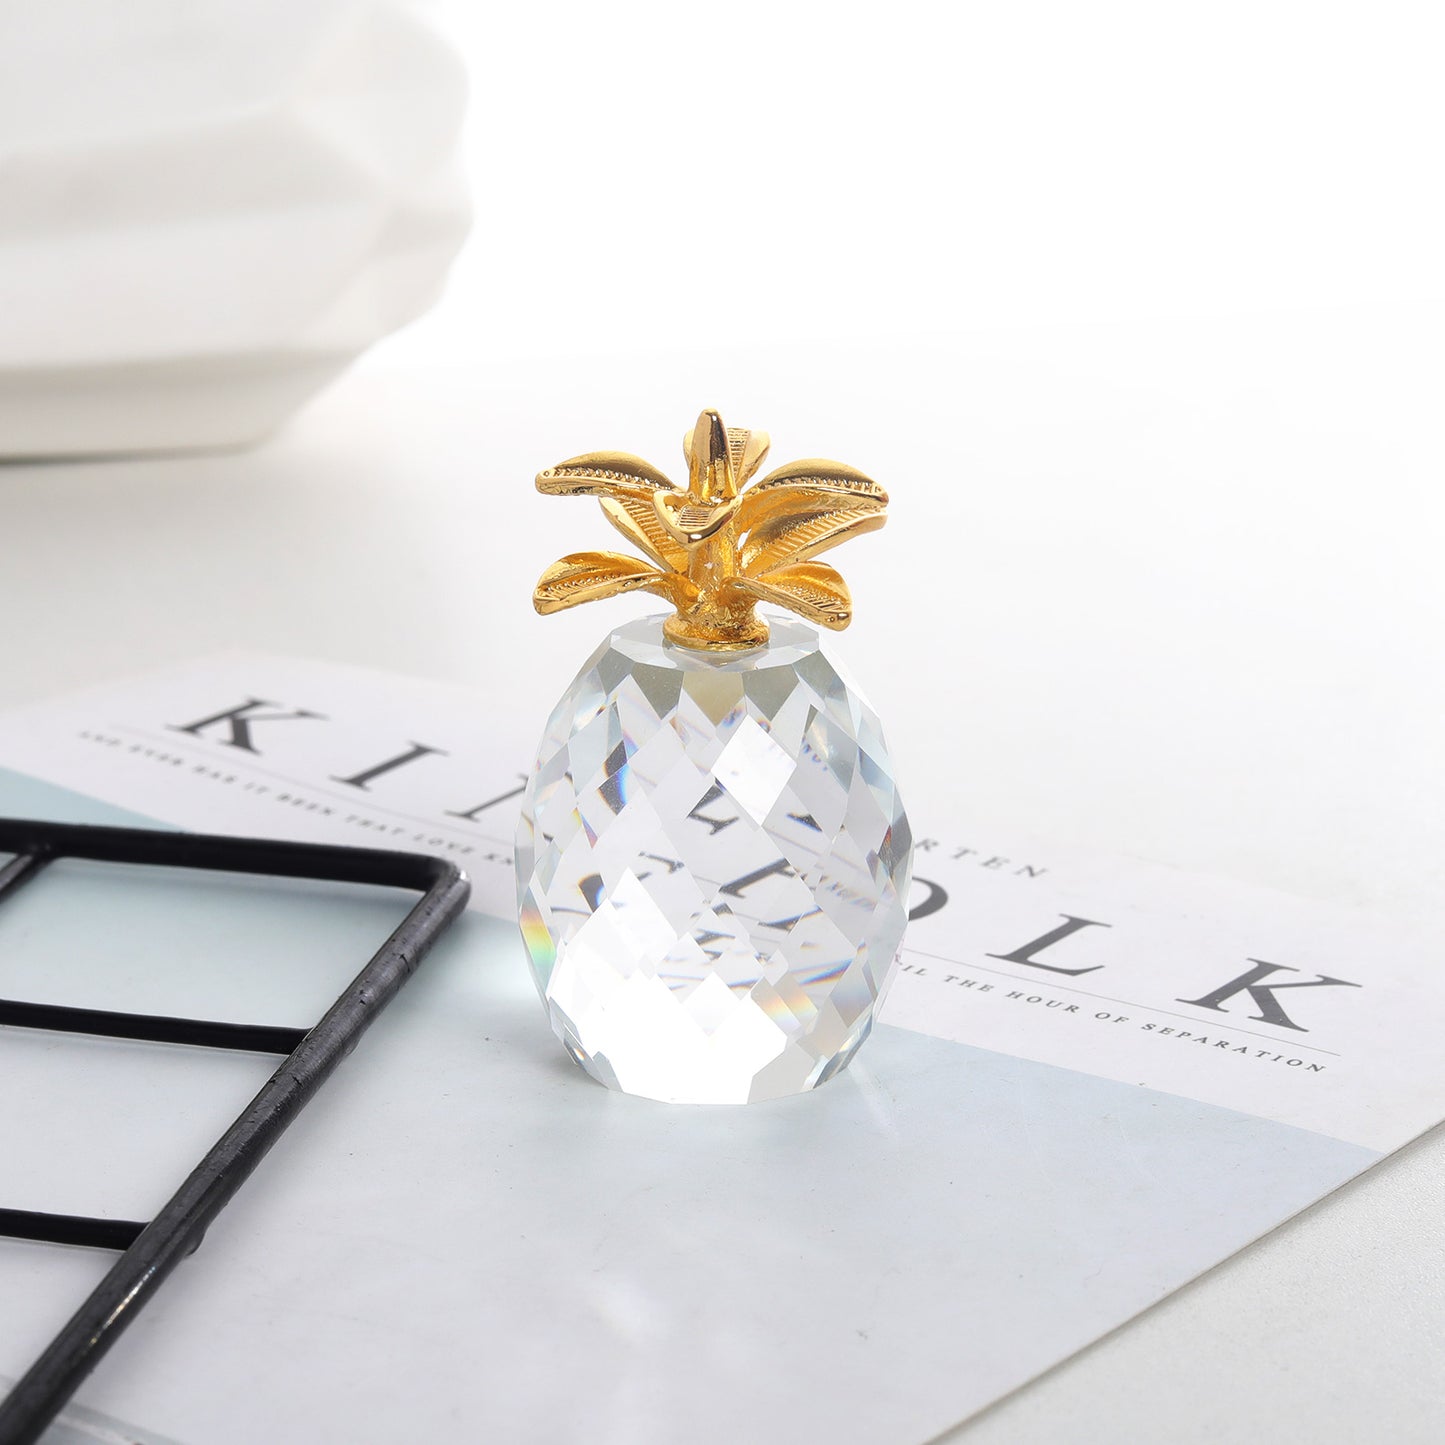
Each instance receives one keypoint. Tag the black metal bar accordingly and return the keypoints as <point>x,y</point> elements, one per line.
<point>20,869</point>
<point>70,1229</point>
<point>270,857</point>
<point>179,1227</point>
<point>154,1028</point>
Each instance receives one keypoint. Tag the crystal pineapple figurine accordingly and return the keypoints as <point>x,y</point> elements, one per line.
<point>713,861</point>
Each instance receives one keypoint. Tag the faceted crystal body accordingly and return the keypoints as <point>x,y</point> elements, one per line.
<point>713,867</point>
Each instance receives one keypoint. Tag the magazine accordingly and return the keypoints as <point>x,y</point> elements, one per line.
<point>1093,1079</point>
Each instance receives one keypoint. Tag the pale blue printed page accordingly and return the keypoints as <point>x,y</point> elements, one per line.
<point>463,1229</point>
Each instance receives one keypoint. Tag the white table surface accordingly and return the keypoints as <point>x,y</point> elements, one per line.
<point>1165,590</point>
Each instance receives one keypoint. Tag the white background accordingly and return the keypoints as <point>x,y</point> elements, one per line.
<point>653,175</point>
<point>1163,576</point>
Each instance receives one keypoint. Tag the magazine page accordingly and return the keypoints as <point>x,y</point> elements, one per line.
<point>1093,1080</point>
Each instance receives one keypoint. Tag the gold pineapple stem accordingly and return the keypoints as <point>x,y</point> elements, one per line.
<point>721,619</point>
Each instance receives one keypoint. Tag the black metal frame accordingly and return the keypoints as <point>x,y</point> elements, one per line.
<point>152,1250</point>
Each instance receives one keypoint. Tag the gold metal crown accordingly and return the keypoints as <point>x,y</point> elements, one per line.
<point>718,550</point>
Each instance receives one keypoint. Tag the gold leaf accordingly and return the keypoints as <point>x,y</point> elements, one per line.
<point>807,486</point>
<point>603,474</point>
<point>721,459</point>
<point>819,472</point>
<point>689,521</point>
<point>814,590</point>
<point>746,450</point>
<point>792,536</point>
<point>637,519</point>
<point>590,576</point>
<point>709,464</point>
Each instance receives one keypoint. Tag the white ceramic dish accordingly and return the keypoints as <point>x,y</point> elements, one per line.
<point>208,210</point>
